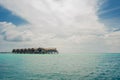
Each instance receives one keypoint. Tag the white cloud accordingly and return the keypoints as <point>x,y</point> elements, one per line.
<point>113,41</point>
<point>12,33</point>
<point>69,25</point>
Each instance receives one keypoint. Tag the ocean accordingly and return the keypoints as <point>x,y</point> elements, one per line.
<point>60,66</point>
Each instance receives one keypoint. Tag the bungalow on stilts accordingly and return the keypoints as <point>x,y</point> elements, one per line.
<point>35,51</point>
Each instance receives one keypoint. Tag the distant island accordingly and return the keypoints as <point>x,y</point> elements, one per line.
<point>35,51</point>
<point>5,52</point>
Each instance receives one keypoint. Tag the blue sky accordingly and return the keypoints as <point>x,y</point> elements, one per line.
<point>109,13</point>
<point>69,25</point>
<point>8,16</point>
<point>111,9</point>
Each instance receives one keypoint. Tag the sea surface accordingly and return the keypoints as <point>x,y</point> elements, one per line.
<point>60,66</point>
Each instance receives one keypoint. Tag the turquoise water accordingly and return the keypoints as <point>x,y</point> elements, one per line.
<point>60,66</point>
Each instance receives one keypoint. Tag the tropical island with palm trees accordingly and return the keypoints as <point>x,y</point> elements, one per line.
<point>35,51</point>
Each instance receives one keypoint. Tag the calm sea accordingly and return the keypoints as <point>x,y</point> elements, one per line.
<point>60,66</point>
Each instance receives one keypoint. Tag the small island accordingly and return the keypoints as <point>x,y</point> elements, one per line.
<point>35,51</point>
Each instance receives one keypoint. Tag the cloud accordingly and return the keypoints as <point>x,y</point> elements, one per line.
<point>12,33</point>
<point>113,40</point>
<point>69,25</point>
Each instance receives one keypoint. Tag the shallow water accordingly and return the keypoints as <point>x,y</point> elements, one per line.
<point>60,66</point>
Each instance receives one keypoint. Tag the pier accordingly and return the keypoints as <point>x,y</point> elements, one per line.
<point>35,51</point>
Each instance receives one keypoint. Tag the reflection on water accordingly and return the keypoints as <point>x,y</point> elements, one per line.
<point>59,67</point>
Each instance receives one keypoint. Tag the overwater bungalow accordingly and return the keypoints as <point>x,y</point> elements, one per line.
<point>35,51</point>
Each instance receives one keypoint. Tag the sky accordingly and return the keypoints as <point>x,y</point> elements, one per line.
<point>71,26</point>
